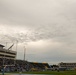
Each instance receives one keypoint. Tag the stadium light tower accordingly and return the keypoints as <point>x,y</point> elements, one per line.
<point>16,47</point>
<point>24,53</point>
<point>16,51</point>
<point>16,44</point>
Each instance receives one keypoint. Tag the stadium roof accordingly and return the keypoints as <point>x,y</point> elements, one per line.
<point>2,45</point>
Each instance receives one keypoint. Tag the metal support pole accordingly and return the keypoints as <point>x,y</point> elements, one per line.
<point>24,52</point>
<point>3,67</point>
<point>3,71</point>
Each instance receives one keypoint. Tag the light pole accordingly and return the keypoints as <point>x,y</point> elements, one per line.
<point>16,52</point>
<point>16,47</point>
<point>16,44</point>
<point>24,53</point>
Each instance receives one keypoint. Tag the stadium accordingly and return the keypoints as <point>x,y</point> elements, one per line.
<point>9,63</point>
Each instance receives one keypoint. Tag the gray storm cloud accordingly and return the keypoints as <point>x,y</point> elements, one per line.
<point>34,20</point>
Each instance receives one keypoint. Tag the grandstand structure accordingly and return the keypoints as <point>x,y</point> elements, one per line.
<point>8,59</point>
<point>35,66</point>
<point>6,53</point>
<point>67,65</point>
<point>7,56</point>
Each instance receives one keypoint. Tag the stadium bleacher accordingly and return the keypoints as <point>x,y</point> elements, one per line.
<point>9,62</point>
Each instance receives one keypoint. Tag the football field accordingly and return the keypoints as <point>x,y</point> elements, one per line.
<point>44,73</point>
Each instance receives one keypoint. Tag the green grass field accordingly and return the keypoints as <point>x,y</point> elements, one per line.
<point>54,72</point>
<point>48,72</point>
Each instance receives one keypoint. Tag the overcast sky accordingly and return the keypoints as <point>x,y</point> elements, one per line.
<point>47,28</point>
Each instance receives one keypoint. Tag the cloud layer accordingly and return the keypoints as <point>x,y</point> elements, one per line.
<point>40,20</point>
